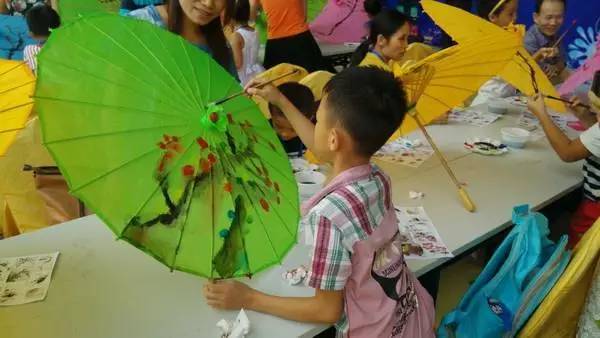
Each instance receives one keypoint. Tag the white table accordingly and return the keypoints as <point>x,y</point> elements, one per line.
<point>330,51</point>
<point>104,288</point>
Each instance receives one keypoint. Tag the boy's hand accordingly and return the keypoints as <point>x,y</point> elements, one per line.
<point>595,101</point>
<point>267,92</point>
<point>227,295</point>
<point>537,105</point>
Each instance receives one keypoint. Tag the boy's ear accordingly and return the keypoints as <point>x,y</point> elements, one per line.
<point>333,141</point>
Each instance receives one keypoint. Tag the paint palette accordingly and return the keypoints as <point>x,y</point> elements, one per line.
<point>486,146</point>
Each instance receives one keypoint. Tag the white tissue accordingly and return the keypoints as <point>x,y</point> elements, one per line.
<point>295,276</point>
<point>238,329</point>
<point>414,195</point>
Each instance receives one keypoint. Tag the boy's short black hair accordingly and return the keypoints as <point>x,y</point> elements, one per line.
<point>300,96</point>
<point>241,11</point>
<point>539,3</point>
<point>41,19</point>
<point>369,102</point>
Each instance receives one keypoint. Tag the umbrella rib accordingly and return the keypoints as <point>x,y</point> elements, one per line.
<point>453,87</point>
<point>184,223</point>
<point>162,65</point>
<point>462,66</point>
<point>159,184</point>
<point>120,108</point>
<point>4,110</point>
<point>124,71</point>
<point>120,166</point>
<point>212,223</point>
<point>259,216</point>
<point>119,85</point>
<point>473,76</point>
<point>228,177</point>
<point>19,64</point>
<point>437,100</point>
<point>196,82</point>
<point>209,82</point>
<point>17,87</point>
<point>138,59</point>
<point>112,133</point>
<point>10,130</point>
<point>265,193</point>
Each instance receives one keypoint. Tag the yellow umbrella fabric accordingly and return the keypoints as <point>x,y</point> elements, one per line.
<point>465,27</point>
<point>274,72</point>
<point>453,75</point>
<point>16,87</point>
<point>21,207</point>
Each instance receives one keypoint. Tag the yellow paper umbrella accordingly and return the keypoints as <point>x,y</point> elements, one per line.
<point>465,27</point>
<point>16,87</point>
<point>446,79</point>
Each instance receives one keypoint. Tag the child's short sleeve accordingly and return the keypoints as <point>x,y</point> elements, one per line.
<point>591,139</point>
<point>331,262</point>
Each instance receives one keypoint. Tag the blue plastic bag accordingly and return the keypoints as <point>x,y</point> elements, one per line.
<point>512,285</point>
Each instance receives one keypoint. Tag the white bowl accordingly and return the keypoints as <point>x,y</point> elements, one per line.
<point>309,183</point>
<point>515,137</point>
<point>497,107</point>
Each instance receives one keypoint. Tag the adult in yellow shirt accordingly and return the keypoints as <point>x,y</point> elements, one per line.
<point>387,41</point>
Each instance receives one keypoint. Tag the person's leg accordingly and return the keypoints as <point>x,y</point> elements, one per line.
<point>431,282</point>
<point>585,216</point>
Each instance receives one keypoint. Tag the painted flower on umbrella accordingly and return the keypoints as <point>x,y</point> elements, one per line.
<point>171,146</point>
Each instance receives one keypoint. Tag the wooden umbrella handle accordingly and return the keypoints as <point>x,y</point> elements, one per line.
<point>466,200</point>
<point>464,196</point>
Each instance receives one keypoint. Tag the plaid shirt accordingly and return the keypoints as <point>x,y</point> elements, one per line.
<point>347,215</point>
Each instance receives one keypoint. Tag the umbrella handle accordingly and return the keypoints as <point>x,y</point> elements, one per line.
<point>466,200</point>
<point>464,196</point>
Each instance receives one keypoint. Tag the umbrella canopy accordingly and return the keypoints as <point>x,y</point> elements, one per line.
<point>583,74</point>
<point>16,87</point>
<point>71,10</point>
<point>128,118</point>
<point>453,76</point>
<point>463,26</point>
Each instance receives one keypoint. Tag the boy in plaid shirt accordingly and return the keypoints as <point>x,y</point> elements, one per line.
<point>361,281</point>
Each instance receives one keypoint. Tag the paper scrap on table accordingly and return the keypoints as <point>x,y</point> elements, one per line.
<point>415,195</point>
<point>295,276</point>
<point>407,152</point>
<point>472,117</point>
<point>421,239</point>
<point>25,279</point>
<point>237,329</point>
<point>530,122</point>
<point>517,101</point>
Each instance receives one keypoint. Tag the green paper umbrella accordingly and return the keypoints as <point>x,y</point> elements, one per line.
<point>71,10</point>
<point>127,116</point>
